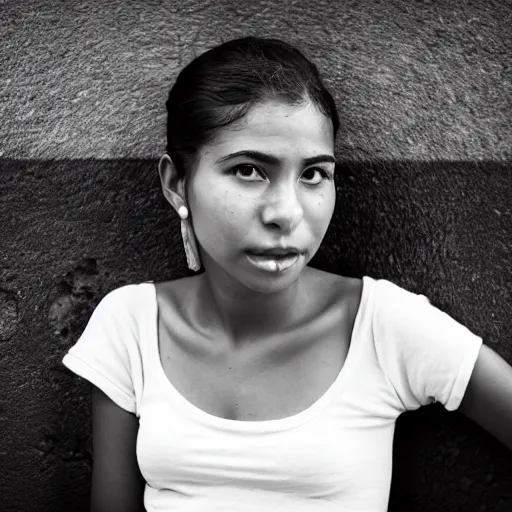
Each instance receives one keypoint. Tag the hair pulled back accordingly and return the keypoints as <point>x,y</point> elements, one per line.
<point>221,85</point>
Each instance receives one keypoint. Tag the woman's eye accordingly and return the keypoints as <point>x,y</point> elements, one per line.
<point>248,172</point>
<point>311,179</point>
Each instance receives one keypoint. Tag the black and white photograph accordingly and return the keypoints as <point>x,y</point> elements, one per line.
<point>256,256</point>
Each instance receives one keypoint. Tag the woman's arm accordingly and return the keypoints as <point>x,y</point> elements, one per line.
<point>117,484</point>
<point>488,398</point>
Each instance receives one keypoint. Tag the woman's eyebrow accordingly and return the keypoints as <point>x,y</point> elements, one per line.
<point>269,159</point>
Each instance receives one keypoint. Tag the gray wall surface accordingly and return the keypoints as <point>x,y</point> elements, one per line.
<point>424,93</point>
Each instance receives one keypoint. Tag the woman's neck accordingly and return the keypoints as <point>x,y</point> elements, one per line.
<point>243,315</point>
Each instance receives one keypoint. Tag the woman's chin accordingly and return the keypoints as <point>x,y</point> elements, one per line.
<point>273,278</point>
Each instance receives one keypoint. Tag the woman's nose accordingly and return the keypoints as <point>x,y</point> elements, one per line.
<point>283,209</point>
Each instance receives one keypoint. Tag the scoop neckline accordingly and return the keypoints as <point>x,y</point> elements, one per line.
<point>288,422</point>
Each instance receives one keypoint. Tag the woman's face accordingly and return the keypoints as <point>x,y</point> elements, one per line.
<point>264,182</point>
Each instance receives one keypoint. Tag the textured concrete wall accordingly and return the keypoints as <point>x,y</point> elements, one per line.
<point>424,199</point>
<point>88,79</point>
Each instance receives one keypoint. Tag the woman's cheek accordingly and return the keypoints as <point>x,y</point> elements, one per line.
<point>219,213</point>
<point>234,214</point>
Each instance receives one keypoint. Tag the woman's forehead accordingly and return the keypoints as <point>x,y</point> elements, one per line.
<point>277,127</point>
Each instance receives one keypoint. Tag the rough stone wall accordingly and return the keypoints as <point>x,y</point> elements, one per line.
<point>413,80</point>
<point>424,199</point>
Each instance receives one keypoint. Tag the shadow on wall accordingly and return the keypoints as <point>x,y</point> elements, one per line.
<point>72,230</point>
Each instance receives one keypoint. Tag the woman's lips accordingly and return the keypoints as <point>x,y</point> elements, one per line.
<point>273,263</point>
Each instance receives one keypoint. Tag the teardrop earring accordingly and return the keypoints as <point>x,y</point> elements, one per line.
<point>189,243</point>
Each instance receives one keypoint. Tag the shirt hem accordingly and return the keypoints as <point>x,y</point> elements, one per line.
<point>84,370</point>
<point>463,377</point>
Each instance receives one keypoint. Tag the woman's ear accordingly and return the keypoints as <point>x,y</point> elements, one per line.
<point>172,184</point>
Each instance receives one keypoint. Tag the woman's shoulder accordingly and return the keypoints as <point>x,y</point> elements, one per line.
<point>124,300</point>
<point>176,289</point>
<point>337,289</point>
<point>128,292</point>
<point>329,280</point>
<point>176,297</point>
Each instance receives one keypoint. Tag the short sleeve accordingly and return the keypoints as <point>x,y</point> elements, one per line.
<point>107,353</point>
<point>426,355</point>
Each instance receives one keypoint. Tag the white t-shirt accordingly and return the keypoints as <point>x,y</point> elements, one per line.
<point>335,455</point>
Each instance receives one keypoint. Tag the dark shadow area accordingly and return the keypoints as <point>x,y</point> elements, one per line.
<point>72,230</point>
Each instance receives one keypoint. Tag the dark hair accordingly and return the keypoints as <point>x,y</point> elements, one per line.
<point>221,85</point>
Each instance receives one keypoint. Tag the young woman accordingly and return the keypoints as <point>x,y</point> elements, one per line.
<point>263,384</point>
